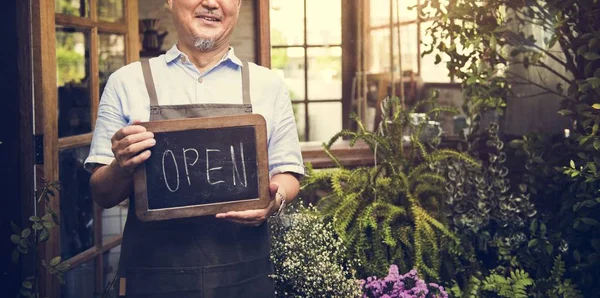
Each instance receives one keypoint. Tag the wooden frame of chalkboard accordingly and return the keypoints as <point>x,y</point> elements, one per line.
<point>200,167</point>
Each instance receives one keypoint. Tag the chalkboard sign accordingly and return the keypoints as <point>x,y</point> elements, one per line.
<point>203,166</point>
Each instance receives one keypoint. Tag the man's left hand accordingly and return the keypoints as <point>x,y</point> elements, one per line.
<point>255,217</point>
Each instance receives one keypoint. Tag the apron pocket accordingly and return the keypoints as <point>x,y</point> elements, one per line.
<point>243,279</point>
<point>180,282</point>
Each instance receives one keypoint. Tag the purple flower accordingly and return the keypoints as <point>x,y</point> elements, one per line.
<point>394,285</point>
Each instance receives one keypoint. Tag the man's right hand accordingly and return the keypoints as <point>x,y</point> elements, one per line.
<point>130,146</point>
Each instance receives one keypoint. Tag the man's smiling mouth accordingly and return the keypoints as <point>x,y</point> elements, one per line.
<point>208,17</point>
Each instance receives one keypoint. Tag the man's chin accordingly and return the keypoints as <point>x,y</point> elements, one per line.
<point>204,44</point>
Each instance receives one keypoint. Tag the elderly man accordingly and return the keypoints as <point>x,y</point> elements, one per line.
<point>226,255</point>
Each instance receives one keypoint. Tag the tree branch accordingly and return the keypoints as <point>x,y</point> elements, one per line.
<point>534,95</point>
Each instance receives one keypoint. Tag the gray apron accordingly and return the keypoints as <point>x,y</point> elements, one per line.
<point>201,257</point>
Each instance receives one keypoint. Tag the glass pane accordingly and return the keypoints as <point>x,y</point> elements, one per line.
<point>324,73</point>
<point>325,120</point>
<point>379,51</point>
<point>113,221</point>
<point>110,10</point>
<point>111,55</point>
<point>72,57</point>
<point>431,72</point>
<point>76,206</point>
<point>409,40</point>
<point>289,63</point>
<point>323,22</point>
<point>79,8</point>
<point>299,113</point>
<point>406,14</point>
<point>287,22</point>
<point>380,12</point>
<point>80,281</point>
<point>379,58</point>
<point>110,261</point>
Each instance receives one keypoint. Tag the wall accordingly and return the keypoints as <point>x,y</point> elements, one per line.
<point>243,38</point>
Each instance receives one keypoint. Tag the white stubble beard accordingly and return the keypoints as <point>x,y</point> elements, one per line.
<point>204,44</point>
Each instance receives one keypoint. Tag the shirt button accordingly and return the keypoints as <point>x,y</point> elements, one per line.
<point>199,80</point>
<point>183,59</point>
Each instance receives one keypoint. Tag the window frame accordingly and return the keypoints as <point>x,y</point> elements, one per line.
<point>396,26</point>
<point>348,9</point>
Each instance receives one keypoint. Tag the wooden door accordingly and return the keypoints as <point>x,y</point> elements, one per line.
<point>76,45</point>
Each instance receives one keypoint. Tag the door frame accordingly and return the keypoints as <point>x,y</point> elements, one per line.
<point>39,106</point>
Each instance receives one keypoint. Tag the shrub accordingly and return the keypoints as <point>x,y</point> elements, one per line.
<point>310,261</point>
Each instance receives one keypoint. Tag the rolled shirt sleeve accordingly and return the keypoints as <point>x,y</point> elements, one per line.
<point>284,146</point>
<point>110,119</point>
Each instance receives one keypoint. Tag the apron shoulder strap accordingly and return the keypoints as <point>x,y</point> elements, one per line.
<point>149,82</point>
<point>246,82</point>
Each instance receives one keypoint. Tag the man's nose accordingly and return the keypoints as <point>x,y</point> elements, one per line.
<point>210,4</point>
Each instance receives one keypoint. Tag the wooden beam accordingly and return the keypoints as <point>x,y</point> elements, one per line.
<point>46,124</point>
<point>263,33</point>
<point>349,40</point>
<point>74,141</point>
<point>132,46</point>
<point>79,22</point>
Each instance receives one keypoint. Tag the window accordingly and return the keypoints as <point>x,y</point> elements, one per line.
<point>413,31</point>
<point>306,50</point>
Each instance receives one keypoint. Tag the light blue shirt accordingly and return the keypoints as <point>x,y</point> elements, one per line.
<point>178,82</point>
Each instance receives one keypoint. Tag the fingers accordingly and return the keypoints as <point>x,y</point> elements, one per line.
<point>273,187</point>
<point>130,146</point>
<point>253,217</point>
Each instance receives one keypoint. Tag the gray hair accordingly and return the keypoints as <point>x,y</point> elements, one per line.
<point>204,44</point>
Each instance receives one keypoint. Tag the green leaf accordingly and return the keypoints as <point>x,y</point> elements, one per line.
<point>34,218</point>
<point>591,56</point>
<point>26,233</point>
<point>590,221</point>
<point>533,226</point>
<point>533,243</point>
<point>572,164</point>
<point>47,217</point>
<point>22,249</point>
<point>549,248</point>
<point>594,81</point>
<point>48,224</point>
<point>565,112</point>
<point>542,228</point>
<point>582,50</point>
<point>15,239</point>
<point>43,235</point>
<point>27,285</point>
<point>493,42</point>
<point>593,43</point>
<point>500,29</point>
<point>63,266</point>
<point>597,144</point>
<point>37,226</point>
<point>55,261</point>
<point>596,106</point>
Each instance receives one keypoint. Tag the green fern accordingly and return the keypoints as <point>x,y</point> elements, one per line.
<point>387,213</point>
<point>514,286</point>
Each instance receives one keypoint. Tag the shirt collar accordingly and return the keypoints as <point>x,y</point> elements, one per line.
<point>174,53</point>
